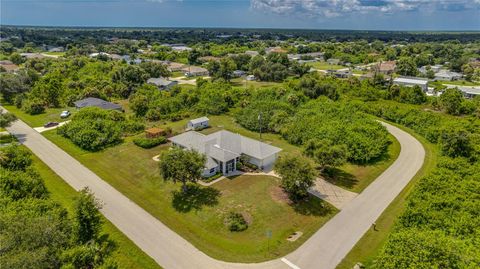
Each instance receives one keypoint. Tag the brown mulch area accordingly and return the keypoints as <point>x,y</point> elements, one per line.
<point>279,195</point>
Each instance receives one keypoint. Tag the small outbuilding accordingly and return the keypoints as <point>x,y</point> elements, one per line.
<point>197,124</point>
<point>411,82</point>
<point>155,132</point>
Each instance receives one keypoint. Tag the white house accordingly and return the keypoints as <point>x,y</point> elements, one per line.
<point>198,123</point>
<point>223,150</point>
<point>410,82</point>
<point>251,77</point>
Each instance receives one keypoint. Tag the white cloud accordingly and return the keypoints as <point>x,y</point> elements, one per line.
<point>335,8</point>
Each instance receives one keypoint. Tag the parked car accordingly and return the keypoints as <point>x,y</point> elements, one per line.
<point>50,124</point>
<point>65,114</point>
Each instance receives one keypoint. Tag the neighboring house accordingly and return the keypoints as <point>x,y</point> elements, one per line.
<point>434,68</point>
<point>238,73</point>
<point>195,71</point>
<point>447,75</point>
<point>174,67</point>
<point>275,50</point>
<point>198,123</point>
<point>162,83</point>
<point>341,73</point>
<point>468,91</point>
<point>29,55</point>
<point>251,77</point>
<point>223,150</point>
<point>412,81</point>
<point>333,61</point>
<point>387,67</point>
<point>96,54</point>
<point>206,59</point>
<point>96,102</point>
<point>9,66</point>
<point>56,49</point>
<point>252,53</point>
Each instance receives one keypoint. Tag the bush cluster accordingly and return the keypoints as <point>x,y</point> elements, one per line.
<point>236,222</point>
<point>147,143</point>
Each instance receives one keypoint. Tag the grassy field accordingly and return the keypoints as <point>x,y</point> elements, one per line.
<point>199,217</point>
<point>241,82</point>
<point>455,82</point>
<point>127,254</point>
<point>325,66</point>
<point>370,244</point>
<point>50,114</point>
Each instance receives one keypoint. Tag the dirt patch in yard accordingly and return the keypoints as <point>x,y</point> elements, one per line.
<point>279,195</point>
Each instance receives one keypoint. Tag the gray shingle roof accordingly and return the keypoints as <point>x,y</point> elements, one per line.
<point>96,102</point>
<point>224,145</point>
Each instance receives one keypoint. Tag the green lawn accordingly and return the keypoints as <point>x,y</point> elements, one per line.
<point>199,217</point>
<point>325,66</point>
<point>370,244</point>
<point>50,114</point>
<point>241,82</point>
<point>458,82</point>
<point>126,254</point>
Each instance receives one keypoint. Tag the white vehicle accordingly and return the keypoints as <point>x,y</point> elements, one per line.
<point>65,114</point>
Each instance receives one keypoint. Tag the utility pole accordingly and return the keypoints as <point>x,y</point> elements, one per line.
<point>260,124</point>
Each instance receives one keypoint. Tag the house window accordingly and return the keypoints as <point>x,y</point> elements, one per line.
<point>212,170</point>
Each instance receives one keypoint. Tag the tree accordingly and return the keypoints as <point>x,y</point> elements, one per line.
<point>300,69</point>
<point>181,165</point>
<point>155,70</point>
<point>193,56</point>
<point>325,153</point>
<point>406,66</point>
<point>297,174</point>
<point>14,157</point>
<point>451,100</point>
<point>88,220</point>
<point>455,142</point>
<point>6,119</point>
<point>138,103</point>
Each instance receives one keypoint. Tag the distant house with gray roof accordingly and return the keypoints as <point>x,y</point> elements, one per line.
<point>96,102</point>
<point>162,83</point>
<point>223,150</point>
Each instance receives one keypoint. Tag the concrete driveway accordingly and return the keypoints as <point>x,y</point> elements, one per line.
<point>324,250</point>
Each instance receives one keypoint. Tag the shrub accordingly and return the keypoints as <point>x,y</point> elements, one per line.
<point>33,107</point>
<point>235,222</point>
<point>147,143</point>
<point>93,128</point>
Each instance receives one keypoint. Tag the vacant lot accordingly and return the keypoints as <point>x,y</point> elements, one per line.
<point>199,217</point>
<point>127,254</point>
<point>325,66</point>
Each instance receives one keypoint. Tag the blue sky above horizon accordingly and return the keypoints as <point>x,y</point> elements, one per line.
<point>316,14</point>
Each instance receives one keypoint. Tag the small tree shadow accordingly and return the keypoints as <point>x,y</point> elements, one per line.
<point>194,198</point>
<point>339,177</point>
<point>312,206</point>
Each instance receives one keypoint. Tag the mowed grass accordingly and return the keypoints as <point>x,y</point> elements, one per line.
<point>199,217</point>
<point>126,253</point>
<point>50,114</point>
<point>325,66</point>
<point>371,243</point>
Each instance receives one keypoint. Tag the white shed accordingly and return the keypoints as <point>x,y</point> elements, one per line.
<point>199,123</point>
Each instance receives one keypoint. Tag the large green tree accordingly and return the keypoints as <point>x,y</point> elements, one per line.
<point>297,174</point>
<point>181,165</point>
<point>325,153</point>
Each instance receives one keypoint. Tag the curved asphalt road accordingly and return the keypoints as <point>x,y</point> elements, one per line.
<point>324,250</point>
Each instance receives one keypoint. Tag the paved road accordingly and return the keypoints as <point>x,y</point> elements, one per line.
<point>324,250</point>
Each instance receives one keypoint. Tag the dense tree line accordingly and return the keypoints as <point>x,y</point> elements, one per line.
<point>36,231</point>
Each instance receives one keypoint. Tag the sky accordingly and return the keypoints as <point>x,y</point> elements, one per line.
<point>419,15</point>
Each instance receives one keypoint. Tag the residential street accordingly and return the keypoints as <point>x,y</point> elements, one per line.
<point>324,250</point>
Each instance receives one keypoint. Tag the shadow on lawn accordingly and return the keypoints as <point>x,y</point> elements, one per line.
<point>312,206</point>
<point>339,178</point>
<point>194,198</point>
